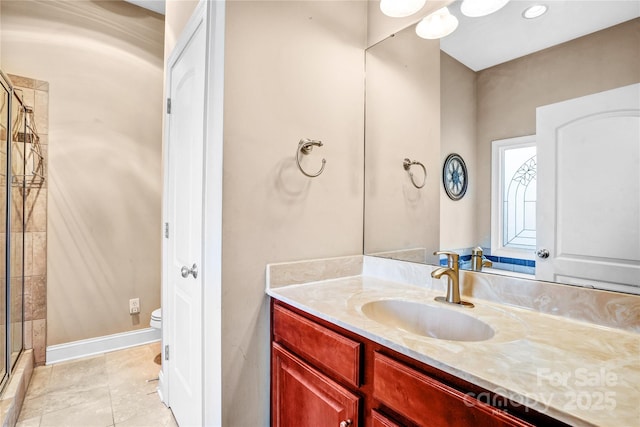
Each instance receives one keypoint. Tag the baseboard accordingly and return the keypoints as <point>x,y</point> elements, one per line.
<point>161,386</point>
<point>92,346</point>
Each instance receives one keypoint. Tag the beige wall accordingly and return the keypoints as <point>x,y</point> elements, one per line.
<point>104,63</point>
<point>402,121</point>
<point>508,94</point>
<point>458,135</point>
<point>292,70</point>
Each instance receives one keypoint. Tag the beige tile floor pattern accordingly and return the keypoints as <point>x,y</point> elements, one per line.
<point>99,391</point>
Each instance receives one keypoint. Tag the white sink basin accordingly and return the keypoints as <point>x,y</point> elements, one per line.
<point>428,320</point>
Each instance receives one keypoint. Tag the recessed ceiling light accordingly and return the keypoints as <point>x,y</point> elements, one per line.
<point>534,11</point>
<point>477,8</point>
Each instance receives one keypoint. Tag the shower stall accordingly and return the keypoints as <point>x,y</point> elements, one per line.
<point>17,136</point>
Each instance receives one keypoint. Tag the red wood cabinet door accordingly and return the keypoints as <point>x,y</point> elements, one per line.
<point>301,396</point>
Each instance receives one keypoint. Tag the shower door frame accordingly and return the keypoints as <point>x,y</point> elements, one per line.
<point>8,364</point>
<point>11,362</point>
<point>6,85</point>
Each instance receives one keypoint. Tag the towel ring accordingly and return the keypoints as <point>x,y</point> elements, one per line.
<point>406,164</point>
<point>305,146</point>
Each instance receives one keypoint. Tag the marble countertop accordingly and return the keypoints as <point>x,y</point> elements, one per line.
<point>574,371</point>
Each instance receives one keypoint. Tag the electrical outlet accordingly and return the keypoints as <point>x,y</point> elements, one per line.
<point>134,306</point>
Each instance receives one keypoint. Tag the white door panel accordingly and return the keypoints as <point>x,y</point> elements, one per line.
<point>184,214</point>
<point>589,190</point>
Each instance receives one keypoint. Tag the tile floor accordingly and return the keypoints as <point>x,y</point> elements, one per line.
<point>99,391</point>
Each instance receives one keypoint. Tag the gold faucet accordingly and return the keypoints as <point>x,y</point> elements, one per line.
<point>478,260</point>
<point>453,279</point>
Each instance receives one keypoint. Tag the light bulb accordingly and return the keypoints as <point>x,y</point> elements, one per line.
<point>439,24</point>
<point>476,8</point>
<point>401,8</point>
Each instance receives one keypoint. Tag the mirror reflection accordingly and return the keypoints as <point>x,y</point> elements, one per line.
<point>545,117</point>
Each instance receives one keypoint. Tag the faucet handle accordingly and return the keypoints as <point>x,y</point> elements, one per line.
<point>477,251</point>
<point>452,258</point>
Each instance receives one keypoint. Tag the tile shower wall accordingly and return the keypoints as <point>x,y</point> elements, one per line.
<point>35,94</point>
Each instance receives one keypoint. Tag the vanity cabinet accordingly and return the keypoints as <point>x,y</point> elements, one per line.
<point>324,376</point>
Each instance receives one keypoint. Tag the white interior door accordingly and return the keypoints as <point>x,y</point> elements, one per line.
<point>588,213</point>
<point>182,316</point>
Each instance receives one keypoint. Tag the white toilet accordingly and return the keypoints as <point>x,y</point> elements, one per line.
<point>156,318</point>
<point>156,323</point>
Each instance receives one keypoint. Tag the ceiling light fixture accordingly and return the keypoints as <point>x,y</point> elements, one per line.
<point>477,8</point>
<point>401,8</point>
<point>439,24</point>
<point>534,11</point>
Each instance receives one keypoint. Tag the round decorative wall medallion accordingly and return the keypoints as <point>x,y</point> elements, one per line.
<point>454,177</point>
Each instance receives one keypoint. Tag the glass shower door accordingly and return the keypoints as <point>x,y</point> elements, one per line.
<point>5,137</point>
<point>19,138</point>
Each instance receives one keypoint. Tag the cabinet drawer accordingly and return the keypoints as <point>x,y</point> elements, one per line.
<point>302,396</point>
<point>317,344</point>
<point>430,402</point>
<point>379,420</point>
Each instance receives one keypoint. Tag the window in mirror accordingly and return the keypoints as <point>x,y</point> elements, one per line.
<point>513,228</point>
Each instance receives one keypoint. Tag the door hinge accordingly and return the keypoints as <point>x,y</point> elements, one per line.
<point>168,105</point>
<point>166,352</point>
<point>166,230</point>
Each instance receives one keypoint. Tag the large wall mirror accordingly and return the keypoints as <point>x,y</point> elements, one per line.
<point>544,113</point>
